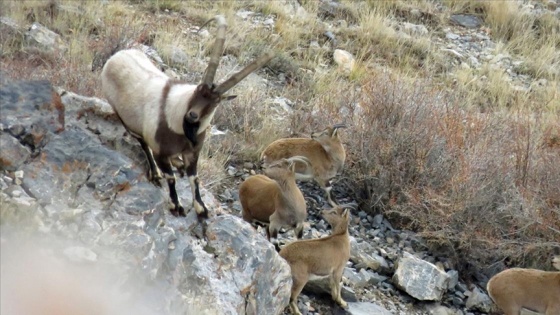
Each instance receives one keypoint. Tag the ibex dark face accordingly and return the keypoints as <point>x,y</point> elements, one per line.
<point>201,109</point>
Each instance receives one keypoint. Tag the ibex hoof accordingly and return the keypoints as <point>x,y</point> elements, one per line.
<point>343,303</point>
<point>178,211</point>
<point>155,179</point>
<point>181,172</point>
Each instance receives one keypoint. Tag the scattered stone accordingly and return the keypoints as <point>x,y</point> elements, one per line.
<point>174,56</point>
<point>437,309</point>
<point>414,29</point>
<point>336,10</point>
<point>13,154</point>
<point>44,39</point>
<point>366,308</point>
<point>479,300</point>
<point>344,60</point>
<point>244,14</point>
<point>420,279</point>
<point>451,36</point>
<point>349,276</point>
<point>322,287</point>
<point>453,279</point>
<point>283,103</point>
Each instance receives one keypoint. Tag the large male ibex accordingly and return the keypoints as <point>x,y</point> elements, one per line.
<point>169,117</point>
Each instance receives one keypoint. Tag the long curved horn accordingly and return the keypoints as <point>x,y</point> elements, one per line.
<point>335,126</point>
<point>217,50</point>
<point>299,158</point>
<point>236,78</point>
<point>351,205</point>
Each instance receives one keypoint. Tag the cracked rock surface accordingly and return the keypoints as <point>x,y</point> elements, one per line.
<point>82,192</point>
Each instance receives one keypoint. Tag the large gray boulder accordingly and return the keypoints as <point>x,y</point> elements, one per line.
<point>86,185</point>
<point>419,278</point>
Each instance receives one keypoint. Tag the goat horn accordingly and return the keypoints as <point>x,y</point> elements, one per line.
<point>236,78</point>
<point>216,50</point>
<point>299,158</point>
<point>351,205</point>
<point>335,126</point>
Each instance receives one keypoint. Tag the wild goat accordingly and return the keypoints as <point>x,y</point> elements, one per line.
<point>275,198</point>
<point>536,290</point>
<point>324,150</point>
<point>169,117</point>
<point>323,257</point>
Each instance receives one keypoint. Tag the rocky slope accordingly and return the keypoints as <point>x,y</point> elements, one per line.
<point>73,191</point>
<point>73,185</point>
<point>81,191</point>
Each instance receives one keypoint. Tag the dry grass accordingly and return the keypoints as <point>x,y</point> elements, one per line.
<point>460,155</point>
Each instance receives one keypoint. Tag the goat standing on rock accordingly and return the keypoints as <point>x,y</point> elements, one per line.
<point>169,117</point>
<point>323,257</point>
<point>275,198</point>
<point>324,150</point>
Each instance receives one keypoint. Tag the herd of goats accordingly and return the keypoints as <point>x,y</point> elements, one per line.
<point>170,119</point>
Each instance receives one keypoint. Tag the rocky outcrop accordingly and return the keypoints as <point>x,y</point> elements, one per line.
<point>85,185</point>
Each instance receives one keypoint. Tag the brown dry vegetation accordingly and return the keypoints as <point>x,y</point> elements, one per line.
<point>456,154</point>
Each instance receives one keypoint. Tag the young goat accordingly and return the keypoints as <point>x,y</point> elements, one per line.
<point>323,257</point>
<point>517,288</point>
<point>169,117</point>
<point>324,150</point>
<point>275,199</point>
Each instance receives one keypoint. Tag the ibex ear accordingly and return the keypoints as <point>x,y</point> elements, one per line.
<point>346,213</point>
<point>228,97</point>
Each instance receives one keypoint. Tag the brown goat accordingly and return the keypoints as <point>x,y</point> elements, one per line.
<point>324,150</point>
<point>536,290</point>
<point>318,258</point>
<point>275,198</point>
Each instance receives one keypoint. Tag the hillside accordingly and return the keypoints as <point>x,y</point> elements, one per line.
<point>452,108</point>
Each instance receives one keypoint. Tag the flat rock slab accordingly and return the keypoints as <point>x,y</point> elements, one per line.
<point>466,20</point>
<point>366,308</point>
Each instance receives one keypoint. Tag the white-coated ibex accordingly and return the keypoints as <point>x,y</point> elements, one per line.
<point>324,150</point>
<point>275,198</point>
<point>536,290</point>
<point>323,257</point>
<point>169,117</point>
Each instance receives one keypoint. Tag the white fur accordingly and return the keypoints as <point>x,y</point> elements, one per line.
<point>134,88</point>
<point>176,107</point>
